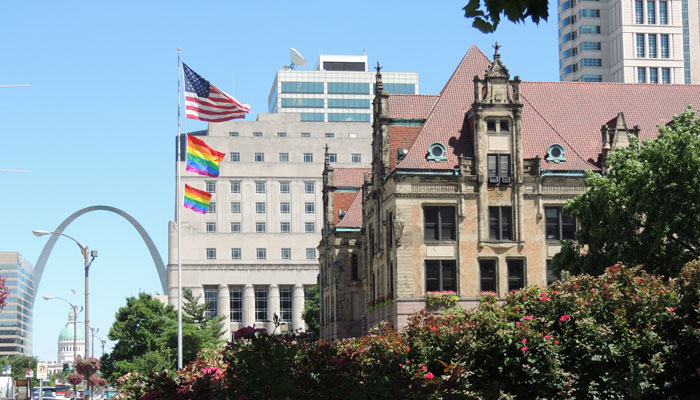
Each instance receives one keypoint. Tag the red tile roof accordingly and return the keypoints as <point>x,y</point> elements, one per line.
<point>342,201</point>
<point>349,177</point>
<point>353,218</point>
<point>411,106</point>
<point>403,137</point>
<point>566,113</point>
<point>444,124</point>
<point>572,113</point>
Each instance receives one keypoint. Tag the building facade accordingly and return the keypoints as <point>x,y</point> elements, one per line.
<point>66,343</point>
<point>254,253</point>
<point>467,189</point>
<point>338,89</point>
<point>631,41</point>
<point>16,319</point>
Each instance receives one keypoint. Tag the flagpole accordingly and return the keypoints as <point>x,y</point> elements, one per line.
<point>177,207</point>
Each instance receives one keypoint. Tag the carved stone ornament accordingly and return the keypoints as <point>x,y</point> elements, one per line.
<point>398,231</point>
<point>497,69</point>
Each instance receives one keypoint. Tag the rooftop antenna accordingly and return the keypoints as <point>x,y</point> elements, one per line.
<point>295,58</point>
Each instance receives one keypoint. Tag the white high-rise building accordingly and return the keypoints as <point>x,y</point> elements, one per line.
<point>338,89</point>
<point>631,41</point>
<point>255,252</point>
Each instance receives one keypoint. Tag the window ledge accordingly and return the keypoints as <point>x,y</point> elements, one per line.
<point>441,242</point>
<point>499,244</point>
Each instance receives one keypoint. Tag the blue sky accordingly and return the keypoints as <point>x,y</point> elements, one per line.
<point>97,124</point>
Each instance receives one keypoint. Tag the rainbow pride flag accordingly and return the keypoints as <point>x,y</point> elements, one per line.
<point>196,200</point>
<point>201,158</point>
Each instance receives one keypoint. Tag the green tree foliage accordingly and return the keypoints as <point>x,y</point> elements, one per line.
<point>19,364</point>
<point>312,312</point>
<point>138,332</point>
<point>645,211</point>
<point>486,14</point>
<point>145,332</point>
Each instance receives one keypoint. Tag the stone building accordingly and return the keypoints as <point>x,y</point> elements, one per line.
<point>467,187</point>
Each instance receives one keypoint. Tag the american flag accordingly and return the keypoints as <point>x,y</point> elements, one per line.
<point>206,102</point>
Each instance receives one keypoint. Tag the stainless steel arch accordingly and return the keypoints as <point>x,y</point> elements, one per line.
<point>157,260</point>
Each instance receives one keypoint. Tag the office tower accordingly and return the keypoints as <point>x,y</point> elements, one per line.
<point>631,41</point>
<point>339,88</point>
<point>16,318</point>
<point>255,252</point>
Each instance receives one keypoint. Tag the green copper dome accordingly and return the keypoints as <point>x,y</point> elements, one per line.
<point>67,333</point>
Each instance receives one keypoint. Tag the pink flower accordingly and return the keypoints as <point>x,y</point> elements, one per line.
<point>400,364</point>
<point>634,330</point>
<point>517,323</point>
<point>523,349</point>
<point>592,290</point>
<point>605,285</point>
<point>524,340</point>
<point>544,298</point>
<point>425,368</point>
<point>556,342</point>
<point>547,336</point>
<point>432,328</point>
<point>429,375</point>
<point>554,292</point>
<point>671,309</point>
<point>528,317</point>
<point>564,317</point>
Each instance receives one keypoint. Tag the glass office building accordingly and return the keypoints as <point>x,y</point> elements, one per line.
<point>16,318</point>
<point>338,89</point>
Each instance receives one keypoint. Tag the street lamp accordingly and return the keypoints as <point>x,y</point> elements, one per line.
<point>103,343</point>
<point>87,254</point>
<point>94,332</point>
<point>75,324</point>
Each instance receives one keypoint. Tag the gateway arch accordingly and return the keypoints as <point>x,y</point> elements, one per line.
<point>157,260</point>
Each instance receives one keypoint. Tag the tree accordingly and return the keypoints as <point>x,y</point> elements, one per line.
<point>487,15</point>
<point>211,329</point>
<point>138,332</point>
<point>645,211</point>
<point>145,332</point>
<point>19,364</point>
<point>312,311</point>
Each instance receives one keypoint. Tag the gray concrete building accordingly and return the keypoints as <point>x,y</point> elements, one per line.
<point>255,252</point>
<point>631,41</point>
<point>338,89</point>
<point>16,319</point>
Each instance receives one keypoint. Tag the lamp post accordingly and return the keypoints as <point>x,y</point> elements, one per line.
<point>75,325</point>
<point>94,332</point>
<point>87,254</point>
<point>103,343</point>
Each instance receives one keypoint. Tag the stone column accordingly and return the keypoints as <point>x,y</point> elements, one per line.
<point>273,306</point>
<point>248,305</point>
<point>224,310</point>
<point>297,307</point>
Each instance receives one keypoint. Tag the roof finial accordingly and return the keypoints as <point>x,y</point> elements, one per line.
<point>379,87</point>
<point>495,54</point>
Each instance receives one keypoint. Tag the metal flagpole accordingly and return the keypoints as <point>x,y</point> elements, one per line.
<point>177,207</point>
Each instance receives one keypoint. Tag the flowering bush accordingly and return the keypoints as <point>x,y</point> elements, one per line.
<point>87,366</point>
<point>4,292</point>
<point>74,379</point>
<point>132,386</point>
<point>624,334</point>
<point>445,298</point>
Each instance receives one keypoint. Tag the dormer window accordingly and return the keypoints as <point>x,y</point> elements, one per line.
<point>437,152</point>
<point>497,125</point>
<point>555,154</point>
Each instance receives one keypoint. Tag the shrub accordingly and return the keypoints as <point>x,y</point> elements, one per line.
<point>623,334</point>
